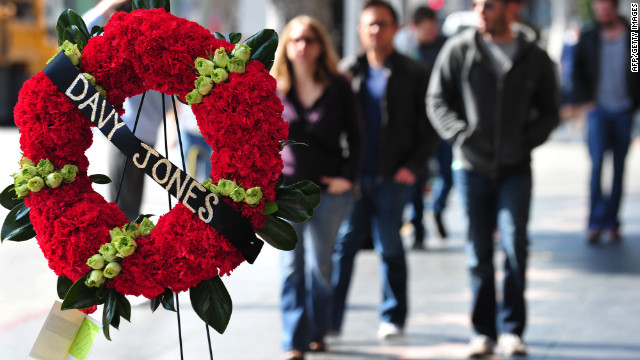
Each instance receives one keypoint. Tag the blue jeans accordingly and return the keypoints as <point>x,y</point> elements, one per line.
<point>501,203</point>
<point>379,210</point>
<point>306,274</point>
<point>444,180</point>
<point>607,131</point>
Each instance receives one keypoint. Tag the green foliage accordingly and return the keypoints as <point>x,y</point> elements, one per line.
<point>211,301</point>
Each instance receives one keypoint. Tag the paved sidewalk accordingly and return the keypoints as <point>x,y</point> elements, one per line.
<point>583,300</point>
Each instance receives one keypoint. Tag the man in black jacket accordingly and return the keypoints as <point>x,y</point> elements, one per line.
<point>494,95</point>
<point>602,78</point>
<point>390,91</point>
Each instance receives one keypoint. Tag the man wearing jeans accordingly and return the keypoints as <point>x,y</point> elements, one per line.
<point>602,78</point>
<point>390,90</point>
<point>493,93</point>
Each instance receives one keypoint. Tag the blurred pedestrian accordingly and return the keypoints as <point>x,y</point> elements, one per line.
<point>321,110</point>
<point>493,93</point>
<point>390,90</point>
<point>602,78</point>
<point>427,32</point>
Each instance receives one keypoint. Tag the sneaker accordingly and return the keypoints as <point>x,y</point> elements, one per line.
<point>593,236</point>
<point>511,345</point>
<point>388,331</point>
<point>440,225</point>
<point>615,236</point>
<point>480,345</point>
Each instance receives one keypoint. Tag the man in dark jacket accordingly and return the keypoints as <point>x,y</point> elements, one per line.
<point>494,95</point>
<point>390,90</point>
<point>603,79</point>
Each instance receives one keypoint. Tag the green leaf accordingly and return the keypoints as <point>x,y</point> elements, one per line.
<point>75,36</point>
<point>7,198</point>
<point>124,307</point>
<point>80,296</point>
<point>22,212</point>
<point>64,284</point>
<point>166,299</point>
<point>235,37</point>
<point>211,301</point>
<point>278,233</point>
<point>16,228</point>
<point>141,217</point>
<point>96,30</point>
<point>293,205</point>
<point>109,312</point>
<point>270,207</point>
<point>100,179</point>
<point>291,142</point>
<point>219,36</point>
<point>263,46</point>
<point>151,4</point>
<point>66,20</point>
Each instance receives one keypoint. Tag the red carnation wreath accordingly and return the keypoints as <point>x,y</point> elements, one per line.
<point>240,119</point>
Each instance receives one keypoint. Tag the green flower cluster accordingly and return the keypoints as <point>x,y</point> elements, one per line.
<point>72,52</point>
<point>34,178</point>
<point>106,263</point>
<point>234,191</point>
<point>216,69</point>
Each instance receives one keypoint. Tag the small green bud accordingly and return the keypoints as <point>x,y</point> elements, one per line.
<point>194,97</point>
<point>237,194</point>
<point>204,66</point>
<point>125,246</point>
<point>68,173</point>
<point>242,51</point>
<point>112,270</point>
<point>253,196</point>
<point>53,180</point>
<point>25,161</point>
<point>45,167</point>
<point>226,186</point>
<point>22,191</point>
<point>220,57</point>
<point>131,230</point>
<point>95,279</point>
<point>204,84</point>
<point>107,249</point>
<point>28,172</point>
<point>219,75</point>
<point>236,65</point>
<point>96,262</point>
<point>146,226</point>
<point>35,184</point>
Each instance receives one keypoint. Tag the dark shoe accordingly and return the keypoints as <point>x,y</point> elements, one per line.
<point>615,235</point>
<point>418,245</point>
<point>440,225</point>
<point>294,355</point>
<point>318,346</point>
<point>593,236</point>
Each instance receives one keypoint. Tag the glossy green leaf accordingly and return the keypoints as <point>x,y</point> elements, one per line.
<point>310,190</point>
<point>124,306</point>
<point>141,217</point>
<point>16,228</point>
<point>270,207</point>
<point>278,233</point>
<point>235,37</point>
<point>64,284</point>
<point>80,296</point>
<point>211,301</point>
<point>109,311</point>
<point>7,198</point>
<point>263,46</point>
<point>96,30</point>
<point>22,212</point>
<point>219,36</point>
<point>166,299</point>
<point>100,179</point>
<point>66,20</point>
<point>152,4</point>
<point>75,36</point>
<point>292,205</point>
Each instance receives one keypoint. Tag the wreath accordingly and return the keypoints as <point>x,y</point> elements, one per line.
<point>98,255</point>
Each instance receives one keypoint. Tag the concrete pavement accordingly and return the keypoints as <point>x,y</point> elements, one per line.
<point>583,300</point>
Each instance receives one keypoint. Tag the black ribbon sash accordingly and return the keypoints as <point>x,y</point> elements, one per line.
<point>207,205</point>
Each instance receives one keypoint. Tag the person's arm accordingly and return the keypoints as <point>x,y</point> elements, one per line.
<point>443,93</point>
<point>100,13</point>
<point>580,73</point>
<point>547,102</point>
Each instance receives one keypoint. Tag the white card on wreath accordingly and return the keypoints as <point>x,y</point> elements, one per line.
<point>65,335</point>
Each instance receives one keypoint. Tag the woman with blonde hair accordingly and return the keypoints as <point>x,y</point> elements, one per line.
<point>321,111</point>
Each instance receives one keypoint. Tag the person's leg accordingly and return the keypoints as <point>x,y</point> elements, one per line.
<point>442,185</point>
<point>390,198</point>
<point>349,240</point>
<point>514,200</point>
<point>130,194</point>
<point>597,143</point>
<point>621,139</point>
<point>479,206</point>
<point>417,203</point>
<point>322,230</point>
<point>293,299</point>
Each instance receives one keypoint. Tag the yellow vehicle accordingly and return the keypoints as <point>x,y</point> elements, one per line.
<point>26,43</point>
